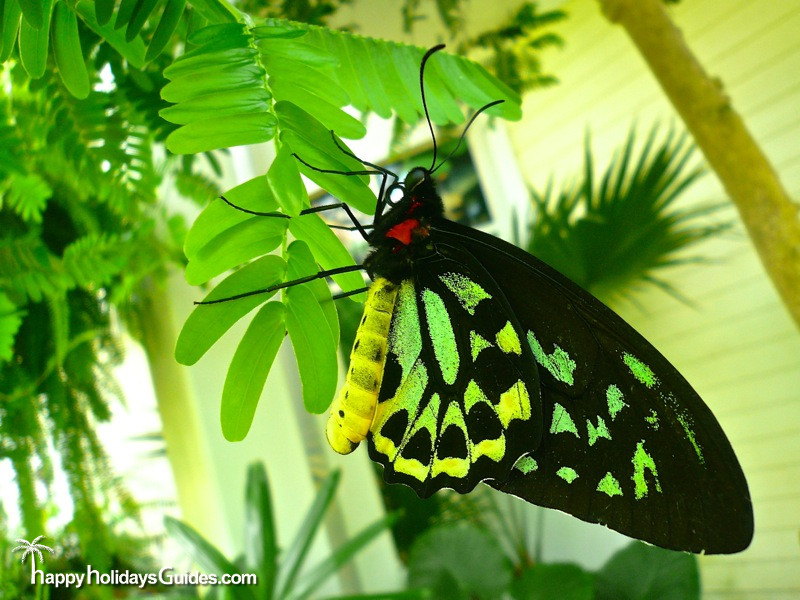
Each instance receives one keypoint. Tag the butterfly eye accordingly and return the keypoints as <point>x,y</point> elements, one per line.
<point>394,194</point>
<point>415,176</point>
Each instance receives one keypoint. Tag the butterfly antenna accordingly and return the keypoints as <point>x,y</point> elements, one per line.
<point>464,133</point>
<point>424,103</point>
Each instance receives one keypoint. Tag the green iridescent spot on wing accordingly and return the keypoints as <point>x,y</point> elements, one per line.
<point>614,399</point>
<point>477,344</point>
<point>652,419</point>
<point>609,485</point>
<point>568,474</point>
<point>686,422</point>
<point>405,338</point>
<point>467,292</point>
<point>473,394</point>
<point>600,431</point>
<point>641,461</point>
<point>508,340</point>
<point>442,336</point>
<point>562,422</point>
<point>526,464</point>
<point>559,363</point>
<point>640,370</point>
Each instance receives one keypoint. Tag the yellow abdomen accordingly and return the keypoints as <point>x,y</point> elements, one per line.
<point>354,407</point>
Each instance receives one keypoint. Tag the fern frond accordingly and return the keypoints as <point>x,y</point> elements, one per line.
<point>29,271</point>
<point>94,260</point>
<point>200,188</point>
<point>10,320</point>
<point>26,195</point>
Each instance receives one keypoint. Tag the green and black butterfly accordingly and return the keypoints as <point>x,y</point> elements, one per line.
<point>476,362</point>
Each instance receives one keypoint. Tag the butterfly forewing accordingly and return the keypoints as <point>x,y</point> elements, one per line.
<point>627,442</point>
<point>460,400</point>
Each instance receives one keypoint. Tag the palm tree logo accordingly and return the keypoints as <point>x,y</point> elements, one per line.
<point>33,548</point>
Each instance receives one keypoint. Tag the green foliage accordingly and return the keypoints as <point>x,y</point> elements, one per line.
<point>511,51</point>
<point>281,575</point>
<point>290,81</point>
<point>467,562</point>
<point>81,241</point>
<point>660,575</point>
<point>459,562</point>
<point>612,234</point>
<point>516,46</point>
<point>560,580</point>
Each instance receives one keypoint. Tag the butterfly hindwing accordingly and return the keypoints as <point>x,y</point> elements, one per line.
<point>459,402</point>
<point>627,442</point>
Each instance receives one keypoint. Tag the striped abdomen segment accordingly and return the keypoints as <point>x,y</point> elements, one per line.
<point>354,407</point>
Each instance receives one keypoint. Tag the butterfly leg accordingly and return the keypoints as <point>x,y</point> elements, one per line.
<point>341,295</point>
<point>286,284</point>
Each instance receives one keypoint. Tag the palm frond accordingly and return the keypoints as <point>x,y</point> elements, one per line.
<point>612,234</point>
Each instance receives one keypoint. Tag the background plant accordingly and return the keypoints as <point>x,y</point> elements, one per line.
<point>281,575</point>
<point>615,232</point>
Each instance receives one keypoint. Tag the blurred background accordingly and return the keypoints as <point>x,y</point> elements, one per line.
<point>103,433</point>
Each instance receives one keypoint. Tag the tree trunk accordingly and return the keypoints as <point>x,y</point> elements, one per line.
<point>771,218</point>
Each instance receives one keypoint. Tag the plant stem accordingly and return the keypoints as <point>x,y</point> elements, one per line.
<point>769,215</point>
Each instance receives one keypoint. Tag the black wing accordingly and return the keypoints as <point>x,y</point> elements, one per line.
<point>459,402</point>
<point>627,442</point>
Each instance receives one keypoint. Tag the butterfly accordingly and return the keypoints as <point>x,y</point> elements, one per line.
<point>476,362</point>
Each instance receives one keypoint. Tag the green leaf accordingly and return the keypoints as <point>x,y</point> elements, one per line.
<point>312,142</point>
<point>459,562</point>
<point>207,556</point>
<point>218,216</point>
<point>301,264</point>
<point>332,117</point>
<point>33,41</point>
<point>140,14</point>
<point>68,53</point>
<point>10,26</point>
<point>10,320</point>
<point>547,581</point>
<point>133,51</point>
<point>299,75</point>
<point>321,572</point>
<point>27,195</point>
<point>211,134</point>
<point>285,184</point>
<point>209,79</point>
<point>327,249</point>
<point>34,12</point>
<point>166,27</point>
<point>261,545</point>
<point>296,553</point>
<point>224,104</point>
<point>251,238</point>
<point>125,12</point>
<point>277,50</point>
<point>216,11</point>
<point>659,575</point>
<point>415,594</point>
<point>315,353</point>
<point>249,368</point>
<point>207,323</point>
<point>103,9</point>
